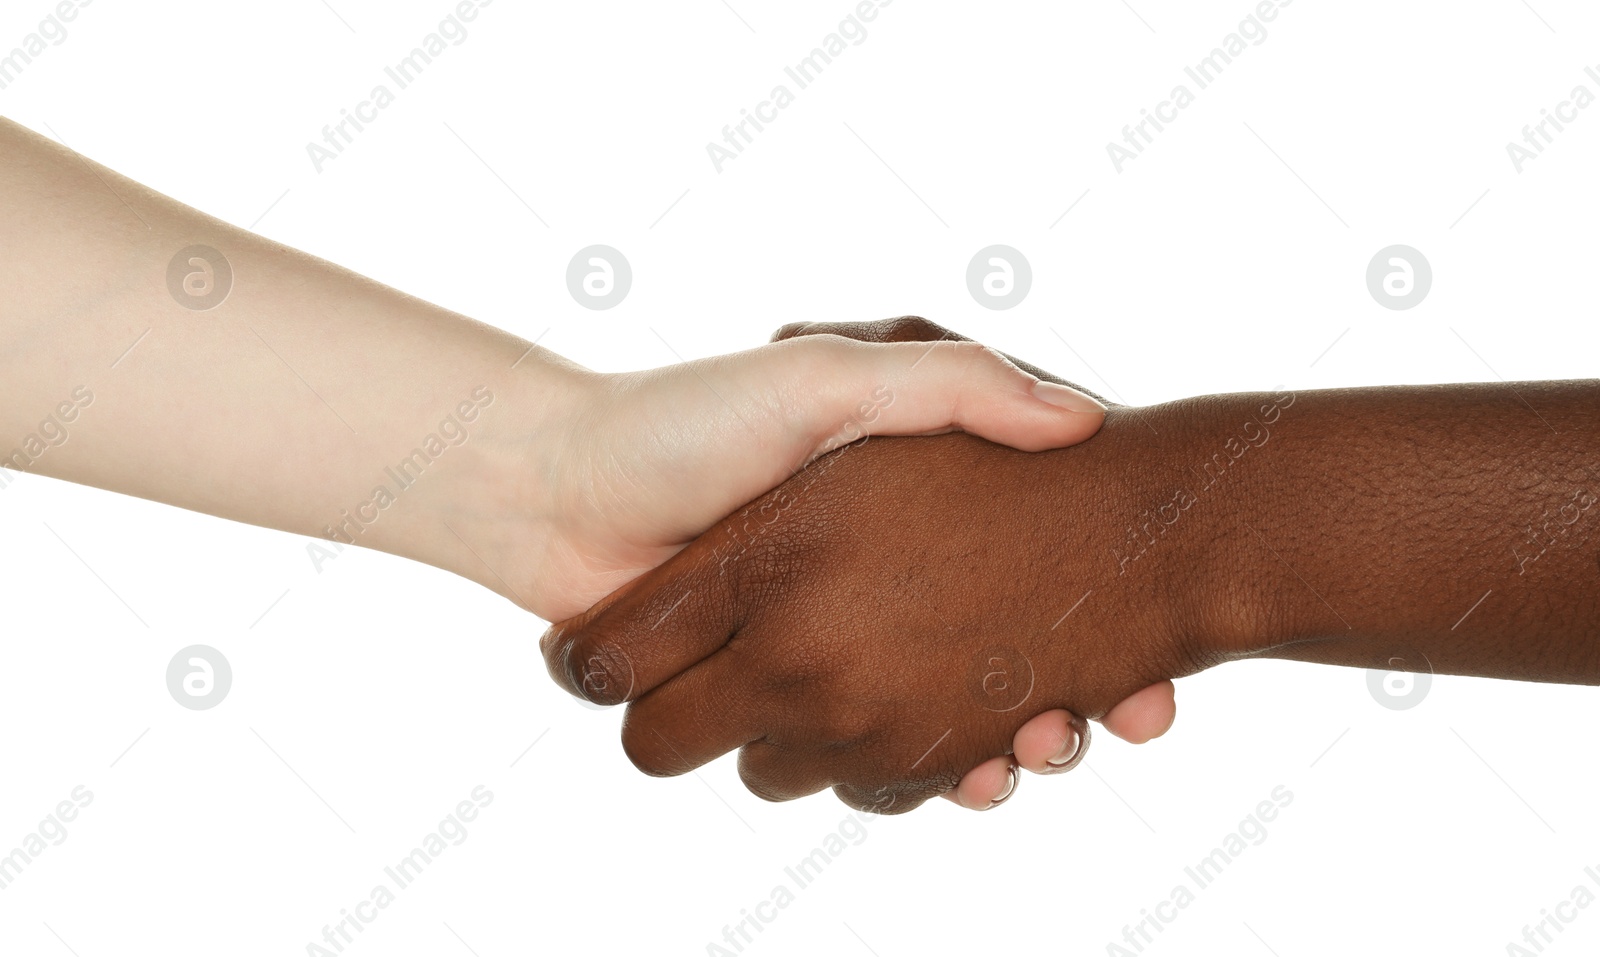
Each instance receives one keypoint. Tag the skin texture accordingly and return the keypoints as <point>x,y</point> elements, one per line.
<point>1054,741</point>
<point>881,623</point>
<point>1451,529</point>
<point>846,630</point>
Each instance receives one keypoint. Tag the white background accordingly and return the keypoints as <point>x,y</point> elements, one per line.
<point>370,698</point>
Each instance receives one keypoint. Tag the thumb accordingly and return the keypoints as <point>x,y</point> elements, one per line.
<point>845,390</point>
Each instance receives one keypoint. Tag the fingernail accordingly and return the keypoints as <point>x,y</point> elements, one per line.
<point>1066,398</point>
<point>1011,788</point>
<point>1069,750</point>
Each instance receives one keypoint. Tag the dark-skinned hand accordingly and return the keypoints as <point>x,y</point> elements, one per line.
<point>888,619</point>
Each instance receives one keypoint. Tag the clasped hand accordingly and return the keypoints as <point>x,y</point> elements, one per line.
<point>895,621</point>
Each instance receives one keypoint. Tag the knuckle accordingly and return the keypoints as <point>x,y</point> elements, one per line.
<point>829,690</point>
<point>643,746</point>
<point>757,780</point>
<point>555,646</point>
<point>847,728</point>
<point>915,329</point>
<point>552,642</point>
<point>820,352</point>
<point>972,353</point>
<point>790,330</point>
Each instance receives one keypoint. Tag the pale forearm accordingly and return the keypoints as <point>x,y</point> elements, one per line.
<point>312,400</point>
<point>288,405</point>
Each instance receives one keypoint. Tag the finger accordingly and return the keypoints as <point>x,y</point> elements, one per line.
<point>841,390</point>
<point>634,640</point>
<point>779,774</point>
<point>898,329</point>
<point>986,786</point>
<point>1051,743</point>
<point>1143,715</point>
<point>697,716</point>
<point>907,329</point>
<point>774,773</point>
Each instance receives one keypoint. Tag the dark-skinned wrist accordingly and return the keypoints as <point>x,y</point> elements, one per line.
<point>1148,516</point>
<point>1444,528</point>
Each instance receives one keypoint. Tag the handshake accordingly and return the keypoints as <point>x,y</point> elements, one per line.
<point>905,617</point>
<point>919,614</point>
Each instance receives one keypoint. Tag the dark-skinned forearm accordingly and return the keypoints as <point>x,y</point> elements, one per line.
<point>1443,528</point>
